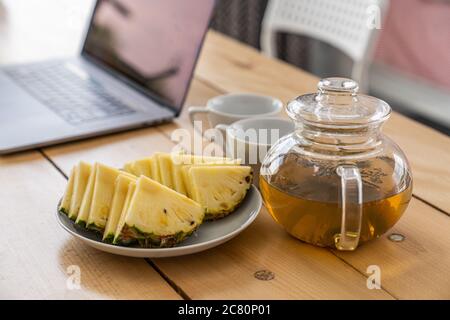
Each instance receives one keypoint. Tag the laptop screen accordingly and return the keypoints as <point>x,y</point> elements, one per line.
<point>154,43</point>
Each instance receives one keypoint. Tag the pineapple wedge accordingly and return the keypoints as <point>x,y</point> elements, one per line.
<point>85,206</point>
<point>219,189</point>
<point>139,167</point>
<point>158,216</point>
<point>165,169</point>
<point>181,164</point>
<point>143,167</point>
<point>120,193</point>
<point>155,171</point>
<point>65,202</point>
<point>118,238</point>
<point>81,175</point>
<point>103,192</point>
<point>128,167</point>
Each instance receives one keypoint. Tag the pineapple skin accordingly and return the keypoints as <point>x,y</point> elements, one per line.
<point>109,238</point>
<point>132,235</point>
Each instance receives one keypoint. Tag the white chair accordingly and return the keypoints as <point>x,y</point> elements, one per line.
<point>348,25</point>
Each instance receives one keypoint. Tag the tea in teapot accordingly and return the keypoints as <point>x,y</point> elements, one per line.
<point>337,180</point>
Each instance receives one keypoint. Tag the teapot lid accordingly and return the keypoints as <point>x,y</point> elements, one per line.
<point>338,104</point>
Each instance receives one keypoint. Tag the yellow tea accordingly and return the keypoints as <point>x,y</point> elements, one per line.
<point>318,221</point>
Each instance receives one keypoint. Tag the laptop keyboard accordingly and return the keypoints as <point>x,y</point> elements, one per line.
<point>74,99</point>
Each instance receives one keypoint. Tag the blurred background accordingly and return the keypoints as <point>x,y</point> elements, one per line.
<point>399,50</point>
<point>408,62</point>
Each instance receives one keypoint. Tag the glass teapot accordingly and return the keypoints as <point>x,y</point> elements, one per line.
<point>337,180</point>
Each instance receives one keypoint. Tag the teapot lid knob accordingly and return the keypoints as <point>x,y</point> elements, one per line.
<point>338,85</point>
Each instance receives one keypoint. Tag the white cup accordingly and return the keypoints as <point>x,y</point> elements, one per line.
<point>250,139</point>
<point>229,108</point>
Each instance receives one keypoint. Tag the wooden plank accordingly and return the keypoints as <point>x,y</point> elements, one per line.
<point>418,267</point>
<point>427,150</point>
<point>301,271</point>
<point>36,255</point>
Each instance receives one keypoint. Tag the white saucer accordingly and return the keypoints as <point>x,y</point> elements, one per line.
<point>209,235</point>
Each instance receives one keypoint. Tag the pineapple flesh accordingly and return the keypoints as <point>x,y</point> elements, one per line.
<point>155,171</point>
<point>181,164</point>
<point>158,216</point>
<point>85,206</point>
<point>139,167</point>
<point>65,202</point>
<point>118,201</point>
<point>118,238</point>
<point>219,189</point>
<point>128,167</point>
<point>165,169</point>
<point>81,176</point>
<point>102,196</point>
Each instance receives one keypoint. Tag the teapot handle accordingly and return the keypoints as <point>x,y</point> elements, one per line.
<point>351,203</point>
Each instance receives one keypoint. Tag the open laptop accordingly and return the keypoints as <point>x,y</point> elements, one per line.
<point>134,70</point>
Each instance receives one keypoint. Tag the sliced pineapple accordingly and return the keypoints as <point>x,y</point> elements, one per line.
<point>65,202</point>
<point>155,170</point>
<point>154,213</point>
<point>142,167</point>
<point>219,189</point>
<point>158,216</point>
<point>85,205</point>
<point>81,175</point>
<point>102,196</point>
<point>165,168</point>
<point>128,167</point>
<point>181,164</point>
<point>118,238</point>
<point>120,193</point>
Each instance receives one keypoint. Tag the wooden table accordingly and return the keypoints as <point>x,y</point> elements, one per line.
<point>36,255</point>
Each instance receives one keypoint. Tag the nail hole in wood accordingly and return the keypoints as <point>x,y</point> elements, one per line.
<point>264,275</point>
<point>396,237</point>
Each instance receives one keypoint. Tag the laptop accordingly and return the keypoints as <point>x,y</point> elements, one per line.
<point>134,70</point>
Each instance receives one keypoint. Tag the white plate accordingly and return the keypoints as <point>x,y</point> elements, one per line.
<point>209,235</point>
